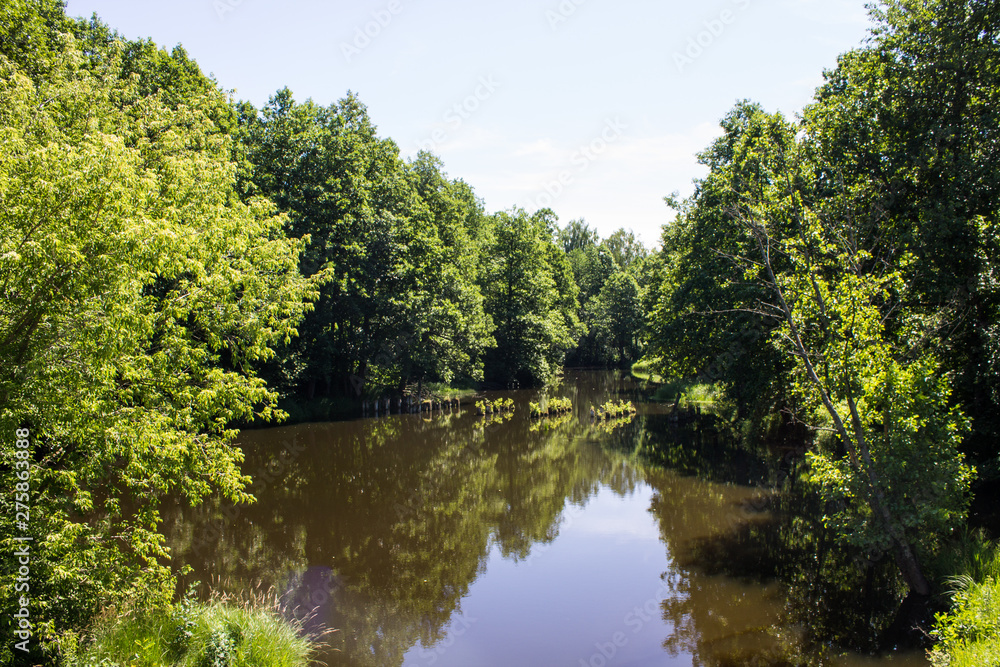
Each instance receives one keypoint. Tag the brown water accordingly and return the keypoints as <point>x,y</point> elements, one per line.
<point>449,540</point>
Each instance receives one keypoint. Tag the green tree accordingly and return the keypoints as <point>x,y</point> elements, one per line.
<point>616,318</point>
<point>908,124</point>
<point>609,294</point>
<point>448,327</point>
<point>577,235</point>
<point>339,184</point>
<point>396,242</point>
<point>625,249</point>
<point>896,478</point>
<point>138,292</point>
<point>702,319</point>
<point>30,34</point>
<point>531,296</point>
<point>774,237</point>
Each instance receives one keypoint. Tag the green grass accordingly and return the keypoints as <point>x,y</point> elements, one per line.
<point>969,634</point>
<point>970,555</point>
<point>688,391</point>
<point>645,369</point>
<point>441,390</point>
<point>214,634</point>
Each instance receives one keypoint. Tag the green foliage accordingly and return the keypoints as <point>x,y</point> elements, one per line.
<point>969,556</point>
<point>550,406</point>
<point>702,313</point>
<point>901,479</point>
<point>530,295</point>
<point>685,392</point>
<point>812,272</point>
<point>608,275</point>
<point>908,124</point>
<point>969,635</point>
<point>394,244</point>
<point>138,291</point>
<point>498,406</point>
<point>645,369</point>
<point>30,34</point>
<point>611,410</point>
<point>214,634</point>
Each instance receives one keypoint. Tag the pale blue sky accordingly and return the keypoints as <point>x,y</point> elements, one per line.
<point>595,108</point>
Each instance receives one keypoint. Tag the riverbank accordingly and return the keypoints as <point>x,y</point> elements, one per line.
<point>225,632</point>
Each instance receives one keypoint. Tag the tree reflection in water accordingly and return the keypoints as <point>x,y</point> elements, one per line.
<point>378,527</point>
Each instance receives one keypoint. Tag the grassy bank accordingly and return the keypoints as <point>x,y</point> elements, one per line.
<point>447,392</point>
<point>214,634</point>
<point>644,370</point>
<point>969,634</point>
<point>673,389</point>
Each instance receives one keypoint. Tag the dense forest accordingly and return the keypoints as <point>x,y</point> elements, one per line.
<point>176,264</point>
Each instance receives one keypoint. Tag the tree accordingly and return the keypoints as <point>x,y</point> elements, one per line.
<point>609,294</point>
<point>617,318</point>
<point>577,235</point>
<point>397,244</point>
<point>775,238</point>
<point>30,34</point>
<point>909,124</point>
<point>138,292</point>
<point>448,329</point>
<point>530,295</point>
<point>702,323</point>
<point>625,249</point>
<point>896,476</point>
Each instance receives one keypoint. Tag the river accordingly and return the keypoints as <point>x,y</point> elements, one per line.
<point>455,540</point>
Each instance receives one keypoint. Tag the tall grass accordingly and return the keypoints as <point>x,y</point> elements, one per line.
<point>971,557</point>
<point>218,633</point>
<point>969,635</point>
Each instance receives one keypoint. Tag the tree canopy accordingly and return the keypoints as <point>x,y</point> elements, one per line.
<point>841,270</point>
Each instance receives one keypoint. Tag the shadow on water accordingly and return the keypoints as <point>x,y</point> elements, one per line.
<point>380,528</point>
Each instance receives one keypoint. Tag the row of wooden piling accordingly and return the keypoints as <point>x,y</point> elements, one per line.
<point>407,405</point>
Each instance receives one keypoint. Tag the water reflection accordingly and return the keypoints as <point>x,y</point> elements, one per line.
<point>455,540</point>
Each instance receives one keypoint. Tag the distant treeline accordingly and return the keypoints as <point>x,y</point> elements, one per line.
<point>418,283</point>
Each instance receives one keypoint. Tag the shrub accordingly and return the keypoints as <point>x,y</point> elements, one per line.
<point>213,634</point>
